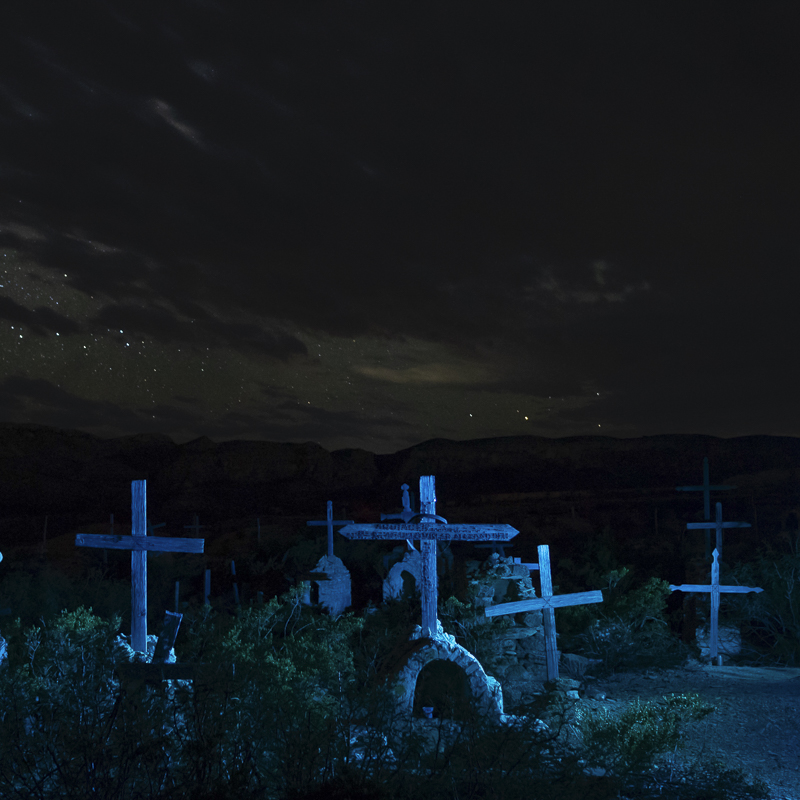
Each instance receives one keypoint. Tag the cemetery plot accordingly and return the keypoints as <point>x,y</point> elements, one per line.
<point>547,603</point>
<point>715,590</point>
<point>139,544</point>
<point>706,489</point>
<point>429,534</point>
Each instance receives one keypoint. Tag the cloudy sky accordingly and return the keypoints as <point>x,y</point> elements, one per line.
<point>371,224</point>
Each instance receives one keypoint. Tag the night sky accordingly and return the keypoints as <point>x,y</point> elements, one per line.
<point>371,224</point>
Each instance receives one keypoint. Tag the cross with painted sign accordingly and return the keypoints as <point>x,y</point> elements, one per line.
<point>706,490</point>
<point>717,525</point>
<point>548,602</point>
<point>428,533</point>
<point>139,544</point>
<point>715,590</point>
<point>330,522</point>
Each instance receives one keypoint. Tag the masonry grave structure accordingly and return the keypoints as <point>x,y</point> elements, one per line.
<point>706,489</point>
<point>714,589</point>
<point>547,603</point>
<point>139,544</point>
<point>717,525</point>
<point>410,563</point>
<point>330,579</point>
<point>432,642</point>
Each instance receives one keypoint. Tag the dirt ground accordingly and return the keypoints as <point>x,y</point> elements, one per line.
<point>756,726</point>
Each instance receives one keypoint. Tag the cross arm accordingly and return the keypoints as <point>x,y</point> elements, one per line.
<point>333,522</point>
<point>712,525</point>
<point>701,488</point>
<point>430,532</point>
<point>162,544</point>
<point>693,587</point>
<point>555,601</point>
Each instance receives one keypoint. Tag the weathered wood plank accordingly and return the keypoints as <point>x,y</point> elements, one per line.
<point>554,601</point>
<point>161,544</point>
<point>427,532</point>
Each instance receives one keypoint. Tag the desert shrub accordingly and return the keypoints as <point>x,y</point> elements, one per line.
<point>769,619</point>
<point>628,742</point>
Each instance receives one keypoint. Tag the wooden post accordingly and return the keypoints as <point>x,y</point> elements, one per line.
<point>139,544</point>
<point>330,522</point>
<point>715,590</point>
<point>235,585</point>
<point>207,589</point>
<point>177,595</point>
<point>548,603</point>
<point>430,588</point>
<point>706,489</point>
<point>429,532</point>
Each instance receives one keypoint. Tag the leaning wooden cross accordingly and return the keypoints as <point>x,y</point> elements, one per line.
<point>715,590</point>
<point>706,488</point>
<point>718,525</point>
<point>547,602</point>
<point>139,544</point>
<point>428,533</point>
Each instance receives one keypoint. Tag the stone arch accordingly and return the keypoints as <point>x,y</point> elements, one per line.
<point>442,685</point>
<point>393,583</point>
<point>485,690</point>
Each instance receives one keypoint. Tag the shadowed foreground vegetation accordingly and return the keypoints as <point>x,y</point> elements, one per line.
<point>308,714</point>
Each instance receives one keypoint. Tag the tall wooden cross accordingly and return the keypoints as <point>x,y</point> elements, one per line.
<point>548,602</point>
<point>408,514</point>
<point>706,490</point>
<point>330,522</point>
<point>717,525</point>
<point>715,590</point>
<point>139,544</point>
<point>428,533</point>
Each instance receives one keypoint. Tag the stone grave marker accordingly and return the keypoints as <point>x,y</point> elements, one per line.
<point>717,525</point>
<point>547,603</point>
<point>706,489</point>
<point>139,544</point>
<point>428,533</point>
<point>496,547</point>
<point>715,590</point>
<point>333,581</point>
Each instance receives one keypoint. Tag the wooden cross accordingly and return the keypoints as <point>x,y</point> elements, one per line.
<point>548,602</point>
<point>715,590</point>
<point>139,544</point>
<point>706,490</point>
<point>195,526</point>
<point>408,514</point>
<point>718,525</point>
<point>428,533</point>
<point>330,522</point>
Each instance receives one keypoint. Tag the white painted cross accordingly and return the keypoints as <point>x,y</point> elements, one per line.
<point>139,544</point>
<point>705,488</point>
<point>547,602</point>
<point>715,590</point>
<point>428,533</point>
<point>330,522</point>
<point>718,525</point>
